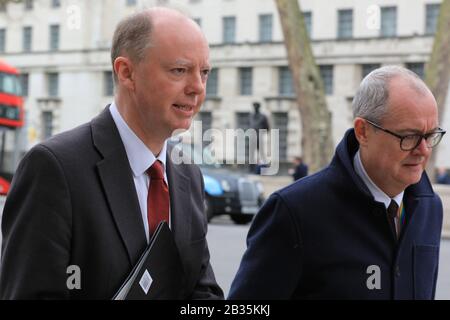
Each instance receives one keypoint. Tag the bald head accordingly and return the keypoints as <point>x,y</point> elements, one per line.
<point>372,98</point>
<point>164,17</point>
<point>134,34</point>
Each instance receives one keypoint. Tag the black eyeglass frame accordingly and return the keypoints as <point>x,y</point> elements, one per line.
<point>422,136</point>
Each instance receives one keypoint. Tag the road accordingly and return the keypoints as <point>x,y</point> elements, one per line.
<point>227,244</point>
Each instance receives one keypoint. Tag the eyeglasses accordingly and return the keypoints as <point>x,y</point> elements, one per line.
<point>412,141</point>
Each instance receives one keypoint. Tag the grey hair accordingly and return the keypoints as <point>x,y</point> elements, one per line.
<point>132,38</point>
<point>370,101</point>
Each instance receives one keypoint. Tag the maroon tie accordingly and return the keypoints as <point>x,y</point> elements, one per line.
<point>392,211</point>
<point>158,197</point>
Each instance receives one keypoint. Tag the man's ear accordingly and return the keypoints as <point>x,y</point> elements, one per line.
<point>361,130</point>
<point>124,69</point>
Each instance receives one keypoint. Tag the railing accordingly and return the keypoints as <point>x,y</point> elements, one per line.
<point>444,192</point>
<point>273,183</point>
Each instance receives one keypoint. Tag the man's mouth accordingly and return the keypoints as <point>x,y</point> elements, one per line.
<point>419,162</point>
<point>410,165</point>
<point>186,108</point>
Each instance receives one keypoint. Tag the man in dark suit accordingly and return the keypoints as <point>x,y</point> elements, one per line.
<point>369,225</point>
<point>83,198</point>
<point>300,169</point>
<point>442,176</point>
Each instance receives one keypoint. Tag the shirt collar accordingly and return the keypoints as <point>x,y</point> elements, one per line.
<point>377,193</point>
<point>139,155</point>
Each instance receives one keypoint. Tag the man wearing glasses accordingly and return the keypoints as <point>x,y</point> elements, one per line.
<point>369,225</point>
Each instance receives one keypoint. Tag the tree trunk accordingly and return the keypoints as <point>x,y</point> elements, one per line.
<point>437,72</point>
<point>317,140</point>
<point>6,1</point>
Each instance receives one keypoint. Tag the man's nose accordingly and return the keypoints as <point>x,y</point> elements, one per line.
<point>422,148</point>
<point>195,85</point>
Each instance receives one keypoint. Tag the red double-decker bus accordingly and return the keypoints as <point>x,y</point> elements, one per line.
<point>11,108</point>
<point>11,103</point>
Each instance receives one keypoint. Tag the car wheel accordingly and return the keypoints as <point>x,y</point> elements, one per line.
<point>208,209</point>
<point>241,219</point>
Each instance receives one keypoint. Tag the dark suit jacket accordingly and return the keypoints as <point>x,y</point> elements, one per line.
<point>73,202</point>
<point>323,236</point>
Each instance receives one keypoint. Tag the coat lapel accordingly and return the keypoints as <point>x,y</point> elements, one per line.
<point>117,181</point>
<point>411,200</point>
<point>180,203</point>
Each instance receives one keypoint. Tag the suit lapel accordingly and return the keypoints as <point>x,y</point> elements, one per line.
<point>180,202</point>
<point>117,181</point>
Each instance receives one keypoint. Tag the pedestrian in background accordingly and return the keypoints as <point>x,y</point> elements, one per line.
<point>300,169</point>
<point>442,176</point>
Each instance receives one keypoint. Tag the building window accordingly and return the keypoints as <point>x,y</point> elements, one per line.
<point>345,24</point>
<point>27,39</point>
<point>212,84</point>
<point>243,122</point>
<point>285,85</point>
<point>54,37</point>
<point>308,22</point>
<point>2,40</point>
<point>109,83</point>
<point>2,6</point>
<point>388,22</point>
<point>56,3</point>
<point>431,19</point>
<point>246,81</point>
<point>53,84</point>
<point>229,29</point>
<point>198,21</point>
<point>280,122</point>
<point>29,5</point>
<point>326,72</point>
<point>418,68</point>
<point>368,68</point>
<point>265,28</point>
<point>24,79</point>
<point>47,124</point>
<point>206,119</point>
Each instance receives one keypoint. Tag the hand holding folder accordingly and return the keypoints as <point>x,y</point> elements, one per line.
<point>158,274</point>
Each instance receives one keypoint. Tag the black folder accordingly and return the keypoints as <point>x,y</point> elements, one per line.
<point>158,274</point>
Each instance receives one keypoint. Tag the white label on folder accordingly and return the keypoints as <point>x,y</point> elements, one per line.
<point>146,281</point>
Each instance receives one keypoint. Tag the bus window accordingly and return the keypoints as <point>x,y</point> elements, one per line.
<point>9,113</point>
<point>9,83</point>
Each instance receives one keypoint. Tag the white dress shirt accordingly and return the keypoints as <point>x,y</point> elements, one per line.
<point>377,193</point>
<point>140,158</point>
